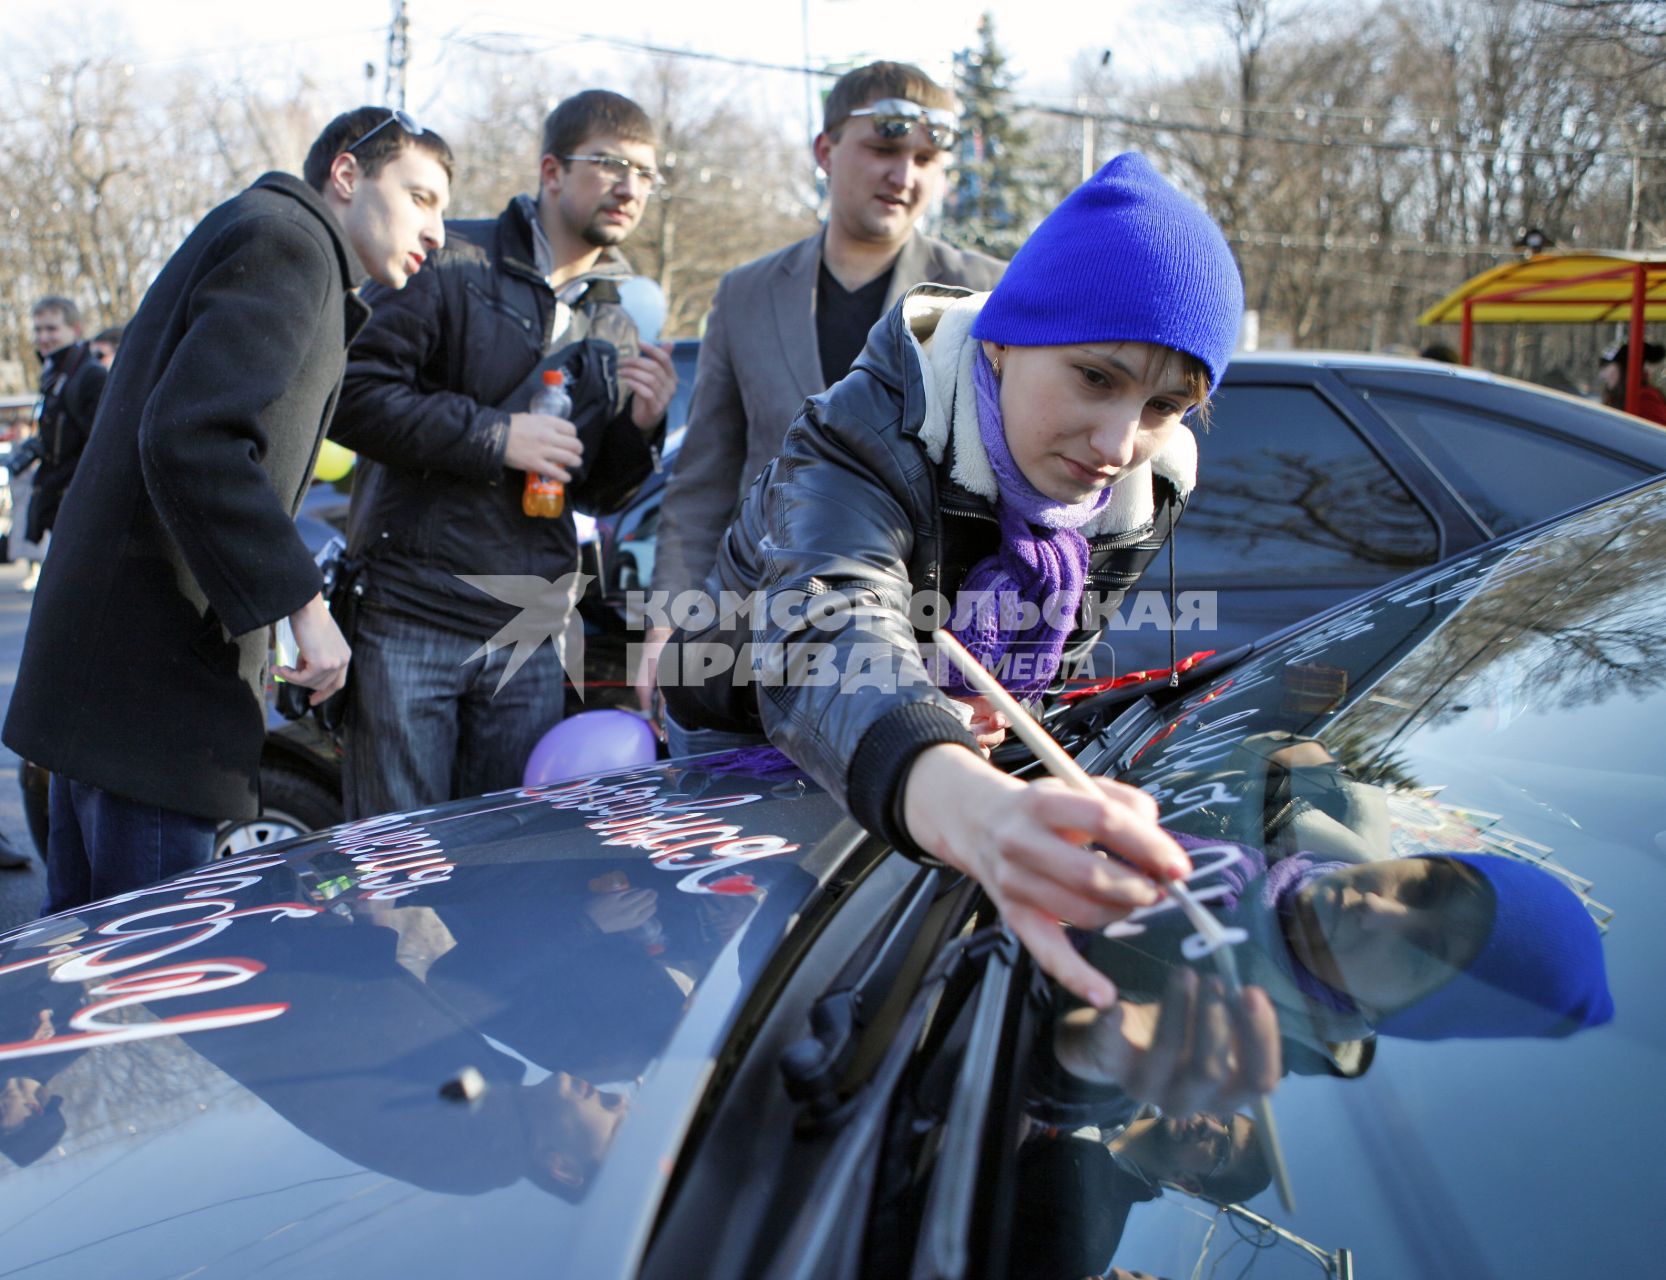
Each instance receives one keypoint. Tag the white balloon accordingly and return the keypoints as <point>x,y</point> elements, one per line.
<point>644,302</point>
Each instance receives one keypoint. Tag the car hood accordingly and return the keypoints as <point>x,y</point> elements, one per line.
<point>466,1040</point>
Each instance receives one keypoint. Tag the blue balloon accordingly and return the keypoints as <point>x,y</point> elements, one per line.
<point>591,742</point>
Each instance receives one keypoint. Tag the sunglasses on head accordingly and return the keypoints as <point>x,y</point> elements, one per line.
<point>403,119</point>
<point>895,118</point>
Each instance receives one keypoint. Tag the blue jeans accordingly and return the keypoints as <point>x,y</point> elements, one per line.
<point>426,725</point>
<point>680,742</point>
<point>99,844</point>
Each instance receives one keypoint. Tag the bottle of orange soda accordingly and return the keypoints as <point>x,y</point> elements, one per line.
<point>545,495</point>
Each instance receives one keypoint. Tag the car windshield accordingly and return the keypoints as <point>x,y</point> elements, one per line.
<point>1437,817</point>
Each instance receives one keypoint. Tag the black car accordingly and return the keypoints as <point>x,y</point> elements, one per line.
<point>690,1021</point>
<point>1322,475</point>
<point>1325,474</point>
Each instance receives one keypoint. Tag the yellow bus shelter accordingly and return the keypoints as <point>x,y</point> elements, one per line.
<point>1563,287</point>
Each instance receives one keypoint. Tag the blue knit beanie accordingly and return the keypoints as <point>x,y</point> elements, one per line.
<point>1539,973</point>
<point>1125,258</point>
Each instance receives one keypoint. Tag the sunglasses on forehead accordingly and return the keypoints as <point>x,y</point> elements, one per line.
<point>895,118</point>
<point>403,119</point>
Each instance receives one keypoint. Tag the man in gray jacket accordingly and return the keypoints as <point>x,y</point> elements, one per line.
<point>788,325</point>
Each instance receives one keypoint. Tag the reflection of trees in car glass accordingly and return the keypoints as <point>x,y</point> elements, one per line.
<point>1563,621</point>
<point>1284,478</point>
<point>1508,473</point>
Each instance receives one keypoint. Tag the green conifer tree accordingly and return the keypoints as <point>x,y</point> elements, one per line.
<point>990,205</point>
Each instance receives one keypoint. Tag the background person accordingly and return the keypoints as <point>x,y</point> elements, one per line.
<point>142,683</point>
<point>105,343</point>
<point>72,381</point>
<point>790,324</point>
<point>1027,445</point>
<point>1611,374</point>
<point>431,403</point>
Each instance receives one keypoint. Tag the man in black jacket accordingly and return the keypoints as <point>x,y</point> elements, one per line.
<point>142,680</point>
<point>455,677</point>
<point>71,383</point>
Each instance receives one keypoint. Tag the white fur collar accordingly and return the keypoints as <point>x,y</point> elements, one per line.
<point>941,330</point>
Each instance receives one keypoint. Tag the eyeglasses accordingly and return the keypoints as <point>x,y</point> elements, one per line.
<point>395,116</point>
<point>615,169</point>
<point>894,119</point>
<point>1223,1139</point>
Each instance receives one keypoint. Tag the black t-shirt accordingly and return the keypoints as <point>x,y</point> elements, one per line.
<point>843,319</point>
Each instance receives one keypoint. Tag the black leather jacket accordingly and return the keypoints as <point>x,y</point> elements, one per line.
<point>430,387</point>
<point>853,512</point>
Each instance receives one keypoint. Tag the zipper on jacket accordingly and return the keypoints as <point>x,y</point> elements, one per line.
<point>1128,539</point>
<point>970,513</point>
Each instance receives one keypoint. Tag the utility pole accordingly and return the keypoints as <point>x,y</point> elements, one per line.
<point>399,53</point>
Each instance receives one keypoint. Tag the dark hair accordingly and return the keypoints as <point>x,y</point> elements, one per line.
<point>111,336</point>
<point>35,1136</point>
<point>347,128</point>
<point>1246,1175</point>
<point>1620,353</point>
<point>881,80</point>
<point>595,113</point>
<point>62,305</point>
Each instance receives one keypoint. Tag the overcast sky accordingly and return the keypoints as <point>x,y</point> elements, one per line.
<point>334,39</point>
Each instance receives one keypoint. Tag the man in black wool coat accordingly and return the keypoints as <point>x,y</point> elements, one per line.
<point>142,680</point>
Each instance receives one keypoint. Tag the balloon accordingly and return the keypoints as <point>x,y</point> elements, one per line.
<point>591,742</point>
<point>333,463</point>
<point>644,303</point>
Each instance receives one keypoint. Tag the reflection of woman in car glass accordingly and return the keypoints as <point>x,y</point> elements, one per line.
<point>1428,948</point>
<point>1015,454</point>
<point>31,1115</point>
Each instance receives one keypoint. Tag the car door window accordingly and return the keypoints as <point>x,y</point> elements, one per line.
<point>1510,474</point>
<point>1289,492</point>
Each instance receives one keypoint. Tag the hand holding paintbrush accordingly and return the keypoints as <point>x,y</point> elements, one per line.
<point>1256,1066</point>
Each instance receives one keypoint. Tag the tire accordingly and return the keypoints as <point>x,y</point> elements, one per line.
<point>291,804</point>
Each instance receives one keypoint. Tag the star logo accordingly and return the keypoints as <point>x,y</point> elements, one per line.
<point>548,610</point>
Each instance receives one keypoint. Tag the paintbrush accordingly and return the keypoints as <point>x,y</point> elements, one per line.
<point>1062,765</point>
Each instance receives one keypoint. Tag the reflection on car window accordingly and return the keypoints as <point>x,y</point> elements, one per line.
<point>1287,485</point>
<point>1437,819</point>
<point>1510,475</point>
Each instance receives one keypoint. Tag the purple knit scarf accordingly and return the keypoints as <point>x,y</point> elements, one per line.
<point>1036,577</point>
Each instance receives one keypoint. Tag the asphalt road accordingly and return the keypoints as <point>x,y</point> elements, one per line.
<point>21,892</point>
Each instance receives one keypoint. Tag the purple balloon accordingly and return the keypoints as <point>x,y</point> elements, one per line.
<point>591,742</point>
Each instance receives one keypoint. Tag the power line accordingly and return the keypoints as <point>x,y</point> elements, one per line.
<point>1153,122</point>
<point>480,40</point>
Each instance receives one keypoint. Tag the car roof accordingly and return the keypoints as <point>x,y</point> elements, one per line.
<point>1375,363</point>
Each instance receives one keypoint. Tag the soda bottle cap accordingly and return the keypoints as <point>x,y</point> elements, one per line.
<point>554,377</point>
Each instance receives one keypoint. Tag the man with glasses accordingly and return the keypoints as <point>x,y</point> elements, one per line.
<point>142,684</point>
<point>437,400</point>
<point>790,324</point>
<point>1074,1192</point>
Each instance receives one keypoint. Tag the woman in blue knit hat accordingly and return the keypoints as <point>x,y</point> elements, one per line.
<point>1430,947</point>
<point>991,462</point>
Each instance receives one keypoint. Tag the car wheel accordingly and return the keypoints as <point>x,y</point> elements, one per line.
<point>291,804</point>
